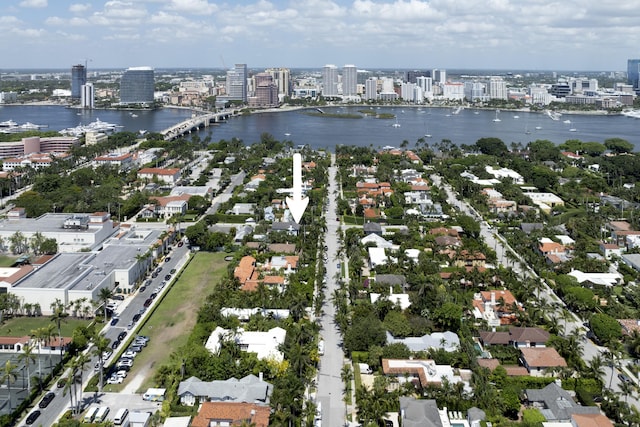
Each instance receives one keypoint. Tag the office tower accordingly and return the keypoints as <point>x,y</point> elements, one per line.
<point>413,75</point>
<point>439,76</point>
<point>330,80</point>
<point>88,96</point>
<point>78,78</point>
<point>137,86</point>
<point>266,91</point>
<point>281,77</point>
<point>349,80</point>
<point>633,73</point>
<point>371,89</point>
<point>237,83</point>
<point>497,88</point>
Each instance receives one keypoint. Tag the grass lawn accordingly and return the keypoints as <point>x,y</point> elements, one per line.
<point>21,326</point>
<point>171,322</point>
<point>7,261</point>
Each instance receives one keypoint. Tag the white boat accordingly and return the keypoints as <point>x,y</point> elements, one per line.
<point>396,124</point>
<point>538,127</point>
<point>516,117</point>
<point>567,121</point>
<point>97,126</point>
<point>553,115</point>
<point>134,115</point>
<point>142,131</point>
<point>8,124</point>
<point>497,119</point>
<point>287,134</point>
<point>573,130</point>
<point>457,110</point>
<point>634,114</point>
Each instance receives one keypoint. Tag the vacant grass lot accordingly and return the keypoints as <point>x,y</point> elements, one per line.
<point>170,324</point>
<point>7,260</point>
<point>22,326</point>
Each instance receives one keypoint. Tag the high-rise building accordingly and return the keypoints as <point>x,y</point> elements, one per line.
<point>266,91</point>
<point>349,80</point>
<point>633,73</point>
<point>371,89</point>
<point>281,77</point>
<point>88,96</point>
<point>497,88</point>
<point>237,83</point>
<point>137,86</point>
<point>330,80</point>
<point>78,78</point>
<point>412,75</point>
<point>439,76</point>
<point>425,83</point>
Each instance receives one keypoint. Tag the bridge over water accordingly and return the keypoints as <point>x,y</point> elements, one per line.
<point>195,123</point>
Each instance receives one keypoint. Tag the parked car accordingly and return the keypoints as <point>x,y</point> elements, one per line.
<point>121,335</point>
<point>148,302</point>
<point>167,277</point>
<point>136,317</point>
<point>61,382</point>
<point>180,243</point>
<point>143,288</point>
<point>130,325</point>
<point>126,362</point>
<point>173,271</point>
<point>122,373</point>
<point>115,380</point>
<point>115,344</point>
<point>143,338</point>
<point>118,297</point>
<point>625,379</point>
<point>114,320</point>
<point>135,348</point>
<point>130,353</point>
<point>139,343</point>
<point>167,259</point>
<point>46,400</point>
<point>33,417</point>
<point>106,355</point>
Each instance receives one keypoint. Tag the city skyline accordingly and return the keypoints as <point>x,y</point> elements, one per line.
<point>573,35</point>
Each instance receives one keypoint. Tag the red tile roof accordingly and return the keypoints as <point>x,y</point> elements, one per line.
<point>233,413</point>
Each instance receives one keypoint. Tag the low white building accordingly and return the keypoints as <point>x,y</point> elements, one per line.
<point>72,232</point>
<point>502,173</point>
<point>68,277</point>
<point>266,345</point>
<point>604,279</point>
<point>401,300</point>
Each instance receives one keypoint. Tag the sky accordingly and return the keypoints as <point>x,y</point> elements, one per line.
<point>584,35</point>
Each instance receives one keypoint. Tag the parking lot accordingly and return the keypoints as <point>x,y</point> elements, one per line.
<point>115,401</point>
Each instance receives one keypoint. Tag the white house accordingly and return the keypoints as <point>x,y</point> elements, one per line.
<point>400,299</point>
<point>604,279</point>
<point>264,344</point>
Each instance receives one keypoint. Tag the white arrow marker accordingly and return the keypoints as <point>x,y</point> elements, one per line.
<point>297,204</point>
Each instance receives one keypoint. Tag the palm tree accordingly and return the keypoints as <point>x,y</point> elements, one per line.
<point>104,296</point>
<point>101,344</point>
<point>80,364</point>
<point>27,357</point>
<point>627,389</point>
<point>9,375</point>
<point>38,334</point>
<point>49,332</point>
<point>59,315</point>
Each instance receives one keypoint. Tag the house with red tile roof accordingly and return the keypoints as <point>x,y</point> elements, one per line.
<point>231,414</point>
<point>496,307</point>
<point>246,273</point>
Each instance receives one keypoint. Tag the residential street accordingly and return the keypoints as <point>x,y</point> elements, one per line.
<point>495,241</point>
<point>330,387</point>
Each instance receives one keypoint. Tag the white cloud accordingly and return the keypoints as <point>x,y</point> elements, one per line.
<point>164,18</point>
<point>80,7</point>
<point>196,7</point>
<point>33,3</point>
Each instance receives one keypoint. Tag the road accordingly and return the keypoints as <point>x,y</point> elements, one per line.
<point>555,304</point>
<point>330,386</point>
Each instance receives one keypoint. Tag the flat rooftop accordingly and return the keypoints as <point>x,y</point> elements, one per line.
<point>47,223</point>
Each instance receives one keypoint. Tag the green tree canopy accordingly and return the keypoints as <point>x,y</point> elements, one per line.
<point>618,145</point>
<point>605,327</point>
<point>492,146</point>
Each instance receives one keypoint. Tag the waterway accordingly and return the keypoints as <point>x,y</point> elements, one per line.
<point>413,123</point>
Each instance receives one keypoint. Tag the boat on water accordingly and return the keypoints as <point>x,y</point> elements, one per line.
<point>134,115</point>
<point>573,130</point>
<point>567,121</point>
<point>538,127</point>
<point>97,126</point>
<point>287,134</point>
<point>8,124</point>
<point>497,119</point>
<point>396,124</point>
<point>553,115</point>
<point>516,117</point>
<point>634,114</point>
<point>457,110</point>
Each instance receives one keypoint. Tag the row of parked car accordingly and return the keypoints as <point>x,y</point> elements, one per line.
<point>118,372</point>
